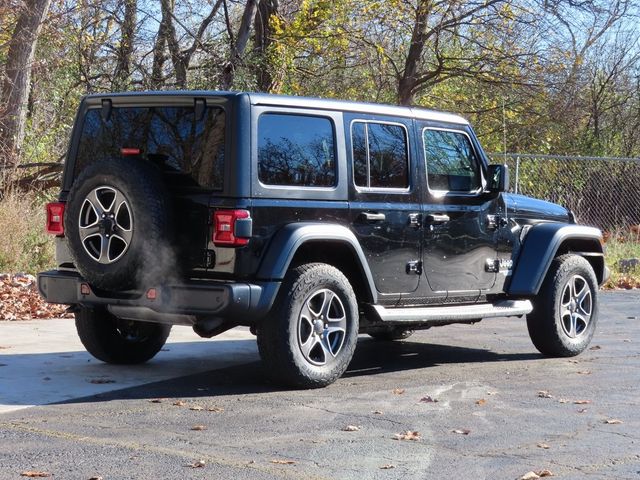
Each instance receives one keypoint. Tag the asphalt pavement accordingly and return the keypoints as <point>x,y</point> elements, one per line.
<point>479,401</point>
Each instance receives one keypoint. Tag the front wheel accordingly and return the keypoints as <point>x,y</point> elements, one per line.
<point>309,337</point>
<point>565,312</point>
<point>119,341</point>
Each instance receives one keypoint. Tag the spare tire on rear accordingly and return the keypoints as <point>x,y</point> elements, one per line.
<point>118,223</point>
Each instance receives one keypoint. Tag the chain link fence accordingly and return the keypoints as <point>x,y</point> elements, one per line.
<point>601,191</point>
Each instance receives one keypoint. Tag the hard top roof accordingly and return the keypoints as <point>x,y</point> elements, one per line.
<point>303,102</point>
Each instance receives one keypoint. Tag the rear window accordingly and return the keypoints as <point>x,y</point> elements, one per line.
<point>296,150</point>
<point>170,136</point>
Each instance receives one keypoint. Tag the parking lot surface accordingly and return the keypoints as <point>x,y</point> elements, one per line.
<point>479,401</point>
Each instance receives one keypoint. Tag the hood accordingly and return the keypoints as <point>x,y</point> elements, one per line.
<point>533,208</point>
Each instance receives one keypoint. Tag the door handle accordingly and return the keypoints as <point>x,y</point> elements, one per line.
<point>437,218</point>
<point>372,217</point>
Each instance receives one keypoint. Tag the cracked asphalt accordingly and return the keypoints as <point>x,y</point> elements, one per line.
<point>484,380</point>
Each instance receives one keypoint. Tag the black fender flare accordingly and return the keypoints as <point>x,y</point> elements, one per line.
<point>291,237</point>
<point>540,247</point>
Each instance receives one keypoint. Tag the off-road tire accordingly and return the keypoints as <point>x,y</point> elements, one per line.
<point>391,335</point>
<point>148,255</point>
<point>279,334</point>
<point>118,341</point>
<point>545,322</point>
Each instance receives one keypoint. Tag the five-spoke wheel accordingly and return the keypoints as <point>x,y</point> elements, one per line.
<point>309,337</point>
<point>322,327</point>
<point>565,311</point>
<point>576,306</point>
<point>105,224</point>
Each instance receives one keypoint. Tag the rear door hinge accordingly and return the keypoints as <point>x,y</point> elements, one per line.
<point>414,267</point>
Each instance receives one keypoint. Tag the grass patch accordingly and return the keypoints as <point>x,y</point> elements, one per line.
<point>622,247</point>
<point>24,244</point>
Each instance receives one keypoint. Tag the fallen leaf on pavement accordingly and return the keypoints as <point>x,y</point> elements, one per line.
<point>157,400</point>
<point>491,393</point>
<point>584,372</point>
<point>581,402</point>
<point>351,428</point>
<point>563,400</point>
<point>398,391</point>
<point>198,428</point>
<point>100,381</point>
<point>96,478</point>
<point>387,467</point>
<point>529,476</point>
<point>408,435</point>
<point>215,409</point>
<point>428,399</point>
<point>462,431</point>
<point>544,394</point>
<point>283,462</point>
<point>482,401</point>
<point>582,410</point>
<point>198,464</point>
<point>180,403</point>
<point>544,445</point>
<point>196,408</point>
<point>35,474</point>
<point>544,473</point>
<point>613,421</point>
<point>596,347</point>
<point>378,412</point>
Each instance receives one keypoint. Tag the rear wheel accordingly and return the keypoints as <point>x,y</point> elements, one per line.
<point>565,312</point>
<point>114,340</point>
<point>391,334</point>
<point>309,337</point>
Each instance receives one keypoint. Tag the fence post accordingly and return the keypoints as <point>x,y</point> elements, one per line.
<point>517,174</point>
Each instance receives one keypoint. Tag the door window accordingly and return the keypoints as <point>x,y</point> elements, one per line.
<point>452,164</point>
<point>380,155</point>
<point>296,150</point>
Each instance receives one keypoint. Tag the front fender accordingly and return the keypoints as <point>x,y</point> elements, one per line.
<point>286,242</point>
<point>540,247</point>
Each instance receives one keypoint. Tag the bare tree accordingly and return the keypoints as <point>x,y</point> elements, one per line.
<point>437,25</point>
<point>263,38</point>
<point>239,44</point>
<point>122,71</point>
<point>167,35</point>
<point>17,78</point>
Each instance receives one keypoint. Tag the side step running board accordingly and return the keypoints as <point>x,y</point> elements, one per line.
<point>454,313</point>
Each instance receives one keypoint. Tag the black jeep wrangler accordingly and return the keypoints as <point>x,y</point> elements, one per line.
<point>308,220</point>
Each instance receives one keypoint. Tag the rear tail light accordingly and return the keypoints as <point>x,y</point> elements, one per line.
<point>55,218</point>
<point>231,228</point>
<point>126,151</point>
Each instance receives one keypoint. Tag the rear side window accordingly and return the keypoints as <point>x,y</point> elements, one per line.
<point>452,164</point>
<point>170,136</point>
<point>380,155</point>
<point>296,150</point>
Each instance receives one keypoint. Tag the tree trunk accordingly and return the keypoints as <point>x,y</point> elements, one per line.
<point>263,36</point>
<point>17,78</point>
<point>408,79</point>
<point>239,46</point>
<point>122,71</point>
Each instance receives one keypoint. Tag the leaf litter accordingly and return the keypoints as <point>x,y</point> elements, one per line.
<point>408,435</point>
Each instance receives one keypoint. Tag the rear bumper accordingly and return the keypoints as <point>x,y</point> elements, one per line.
<point>243,303</point>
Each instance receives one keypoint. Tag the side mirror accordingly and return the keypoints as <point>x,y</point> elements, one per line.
<point>498,178</point>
